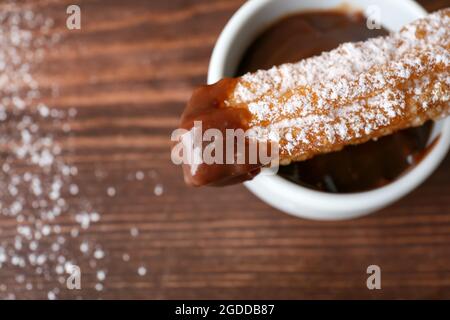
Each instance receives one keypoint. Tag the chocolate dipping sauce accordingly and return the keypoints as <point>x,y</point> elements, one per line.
<point>356,168</point>
<point>207,106</point>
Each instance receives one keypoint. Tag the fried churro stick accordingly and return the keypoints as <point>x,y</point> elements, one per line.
<point>355,93</point>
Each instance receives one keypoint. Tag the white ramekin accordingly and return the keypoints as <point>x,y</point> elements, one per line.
<point>282,194</point>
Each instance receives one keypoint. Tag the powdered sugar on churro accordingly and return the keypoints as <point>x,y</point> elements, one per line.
<point>357,90</point>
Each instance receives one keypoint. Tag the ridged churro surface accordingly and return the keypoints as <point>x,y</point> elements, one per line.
<point>357,92</point>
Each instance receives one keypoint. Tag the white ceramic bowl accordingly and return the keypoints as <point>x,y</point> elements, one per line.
<point>299,201</point>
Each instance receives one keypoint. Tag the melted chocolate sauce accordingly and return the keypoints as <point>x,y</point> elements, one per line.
<point>207,106</point>
<point>356,168</point>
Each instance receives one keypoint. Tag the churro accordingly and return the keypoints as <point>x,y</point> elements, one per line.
<point>355,93</point>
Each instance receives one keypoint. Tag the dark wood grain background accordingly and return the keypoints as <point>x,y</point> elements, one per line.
<point>129,72</point>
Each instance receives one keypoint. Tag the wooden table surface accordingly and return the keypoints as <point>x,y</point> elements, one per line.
<point>128,72</point>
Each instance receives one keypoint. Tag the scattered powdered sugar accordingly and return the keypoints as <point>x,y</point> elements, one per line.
<point>99,254</point>
<point>84,247</point>
<point>99,287</point>
<point>111,191</point>
<point>142,271</point>
<point>34,175</point>
<point>134,232</point>
<point>158,190</point>
<point>51,295</point>
<point>101,275</point>
<point>140,175</point>
<point>37,183</point>
<point>352,91</point>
